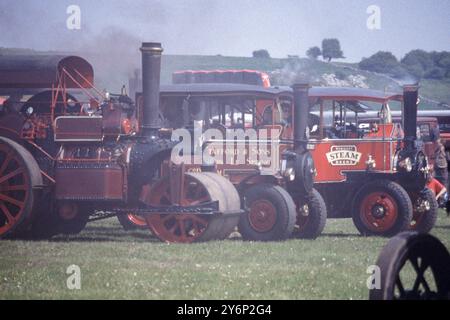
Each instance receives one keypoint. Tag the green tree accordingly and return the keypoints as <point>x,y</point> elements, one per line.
<point>313,52</point>
<point>331,49</point>
<point>263,53</point>
<point>434,73</point>
<point>382,62</point>
<point>418,62</point>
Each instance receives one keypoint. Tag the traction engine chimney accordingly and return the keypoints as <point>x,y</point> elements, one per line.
<point>410,98</point>
<point>151,72</point>
<point>301,111</point>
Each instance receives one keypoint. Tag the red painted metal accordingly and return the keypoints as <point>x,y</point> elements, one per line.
<point>137,220</point>
<point>182,228</point>
<point>378,211</point>
<point>262,215</point>
<point>245,76</point>
<point>42,71</point>
<point>14,189</point>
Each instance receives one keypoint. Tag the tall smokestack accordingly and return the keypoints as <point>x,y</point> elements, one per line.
<point>410,98</point>
<point>151,73</point>
<point>301,110</point>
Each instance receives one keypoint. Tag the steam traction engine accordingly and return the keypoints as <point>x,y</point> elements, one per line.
<point>64,161</point>
<point>257,144</point>
<point>376,176</point>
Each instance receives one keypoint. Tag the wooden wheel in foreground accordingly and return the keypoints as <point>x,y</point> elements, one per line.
<point>413,266</point>
<point>19,175</point>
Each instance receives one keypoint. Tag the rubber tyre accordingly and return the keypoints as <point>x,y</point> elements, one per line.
<point>429,218</point>
<point>285,216</point>
<point>77,224</point>
<point>401,198</point>
<point>316,219</point>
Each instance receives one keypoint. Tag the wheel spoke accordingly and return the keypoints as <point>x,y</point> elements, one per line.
<point>6,162</point>
<point>11,174</point>
<point>181,225</point>
<point>419,279</point>
<point>166,218</point>
<point>20,187</point>
<point>8,214</point>
<point>399,285</point>
<point>174,227</point>
<point>11,200</point>
<point>201,222</point>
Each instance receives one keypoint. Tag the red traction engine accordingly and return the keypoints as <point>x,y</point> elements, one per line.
<point>376,177</point>
<point>65,161</point>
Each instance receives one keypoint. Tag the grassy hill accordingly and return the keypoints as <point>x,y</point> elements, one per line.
<point>112,70</point>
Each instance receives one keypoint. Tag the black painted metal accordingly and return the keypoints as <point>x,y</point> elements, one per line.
<point>410,96</point>
<point>151,71</point>
<point>301,109</point>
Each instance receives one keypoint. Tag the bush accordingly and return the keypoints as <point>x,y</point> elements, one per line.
<point>399,72</point>
<point>434,73</point>
<point>263,53</point>
<point>382,62</point>
<point>419,58</point>
<point>313,52</point>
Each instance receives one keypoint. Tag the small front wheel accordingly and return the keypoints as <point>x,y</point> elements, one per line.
<point>270,214</point>
<point>382,208</point>
<point>425,211</point>
<point>311,216</point>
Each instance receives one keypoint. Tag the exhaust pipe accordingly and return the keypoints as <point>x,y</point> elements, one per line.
<point>410,98</point>
<point>301,110</point>
<point>151,73</point>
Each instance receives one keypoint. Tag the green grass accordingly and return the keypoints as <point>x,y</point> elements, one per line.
<point>131,265</point>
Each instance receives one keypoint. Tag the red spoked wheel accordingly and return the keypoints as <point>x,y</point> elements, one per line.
<point>383,208</point>
<point>19,174</point>
<point>186,228</point>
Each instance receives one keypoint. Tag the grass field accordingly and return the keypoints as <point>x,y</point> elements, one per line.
<point>131,265</point>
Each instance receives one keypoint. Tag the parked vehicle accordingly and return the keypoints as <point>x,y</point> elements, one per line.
<point>65,161</point>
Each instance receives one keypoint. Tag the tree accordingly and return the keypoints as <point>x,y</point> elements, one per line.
<point>434,73</point>
<point>263,53</point>
<point>331,49</point>
<point>382,62</point>
<point>313,52</point>
<point>418,62</point>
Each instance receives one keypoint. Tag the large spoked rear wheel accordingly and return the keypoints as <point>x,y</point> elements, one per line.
<point>19,176</point>
<point>270,214</point>
<point>425,211</point>
<point>186,228</point>
<point>311,216</point>
<point>413,266</point>
<point>382,208</point>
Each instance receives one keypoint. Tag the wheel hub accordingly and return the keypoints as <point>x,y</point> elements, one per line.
<point>68,211</point>
<point>262,216</point>
<point>378,211</point>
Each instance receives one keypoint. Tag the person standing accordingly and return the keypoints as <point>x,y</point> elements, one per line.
<point>440,164</point>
